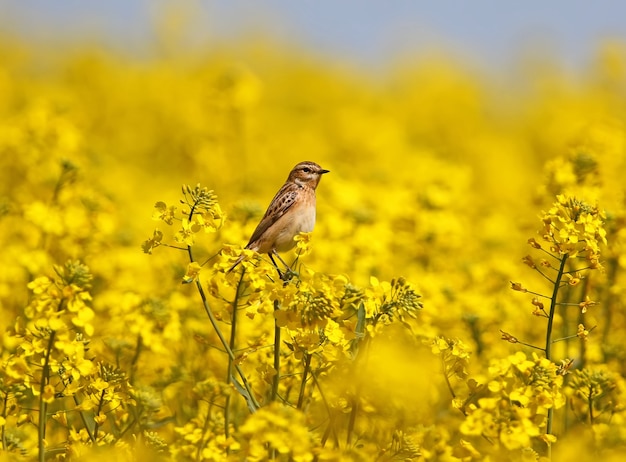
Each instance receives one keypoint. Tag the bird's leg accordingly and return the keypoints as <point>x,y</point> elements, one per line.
<point>280,275</point>
<point>289,273</point>
<point>287,267</point>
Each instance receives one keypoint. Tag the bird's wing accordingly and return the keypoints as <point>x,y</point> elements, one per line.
<point>282,202</point>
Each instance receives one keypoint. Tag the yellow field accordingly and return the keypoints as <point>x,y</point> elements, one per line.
<point>461,298</point>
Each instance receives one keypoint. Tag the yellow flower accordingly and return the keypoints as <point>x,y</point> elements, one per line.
<point>211,220</point>
<point>586,304</point>
<point>39,285</point>
<point>164,213</point>
<point>280,428</point>
<point>153,242</point>
<point>186,234</point>
<point>49,393</point>
<point>572,226</point>
<point>192,272</point>
<point>84,318</point>
<point>303,241</point>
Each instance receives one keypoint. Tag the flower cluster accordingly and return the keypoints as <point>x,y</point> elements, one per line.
<point>572,227</point>
<point>388,300</point>
<point>595,395</point>
<point>201,212</point>
<point>513,406</point>
<point>279,430</point>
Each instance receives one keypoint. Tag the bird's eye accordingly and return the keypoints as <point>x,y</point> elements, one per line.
<point>306,170</point>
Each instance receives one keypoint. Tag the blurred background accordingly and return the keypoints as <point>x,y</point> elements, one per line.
<point>369,33</point>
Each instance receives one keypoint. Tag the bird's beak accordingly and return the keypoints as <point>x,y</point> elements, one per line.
<point>324,171</point>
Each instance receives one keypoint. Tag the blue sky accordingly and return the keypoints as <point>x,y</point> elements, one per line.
<point>488,31</point>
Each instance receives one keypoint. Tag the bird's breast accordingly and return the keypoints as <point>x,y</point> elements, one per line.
<point>299,220</point>
<point>305,220</point>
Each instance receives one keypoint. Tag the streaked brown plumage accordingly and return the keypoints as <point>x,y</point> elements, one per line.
<point>291,211</point>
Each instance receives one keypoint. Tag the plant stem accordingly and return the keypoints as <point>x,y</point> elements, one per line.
<point>548,349</point>
<point>43,406</point>
<point>305,375</point>
<point>96,427</point>
<point>135,359</point>
<point>253,404</point>
<point>590,401</point>
<point>447,378</point>
<point>553,305</point>
<point>231,343</point>
<point>331,420</point>
<point>205,429</point>
<point>276,379</point>
<point>352,421</point>
<point>84,419</point>
<point>360,363</point>
<point>230,353</point>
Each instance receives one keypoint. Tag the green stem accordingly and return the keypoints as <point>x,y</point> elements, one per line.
<point>253,403</point>
<point>131,424</point>
<point>205,429</point>
<point>232,343</point>
<point>360,363</point>
<point>305,375</point>
<point>569,337</point>
<point>84,419</point>
<point>230,353</point>
<point>530,345</point>
<point>135,359</point>
<point>97,425</point>
<point>331,420</point>
<point>590,405</point>
<point>276,379</point>
<point>580,320</point>
<point>447,378</point>
<point>545,276</point>
<point>553,305</point>
<point>43,406</point>
<point>548,349</point>
<point>352,421</point>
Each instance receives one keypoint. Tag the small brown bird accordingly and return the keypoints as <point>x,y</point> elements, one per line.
<point>291,211</point>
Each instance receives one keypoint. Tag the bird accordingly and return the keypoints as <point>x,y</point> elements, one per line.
<point>292,211</point>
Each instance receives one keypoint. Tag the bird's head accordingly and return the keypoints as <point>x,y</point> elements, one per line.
<point>307,174</point>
